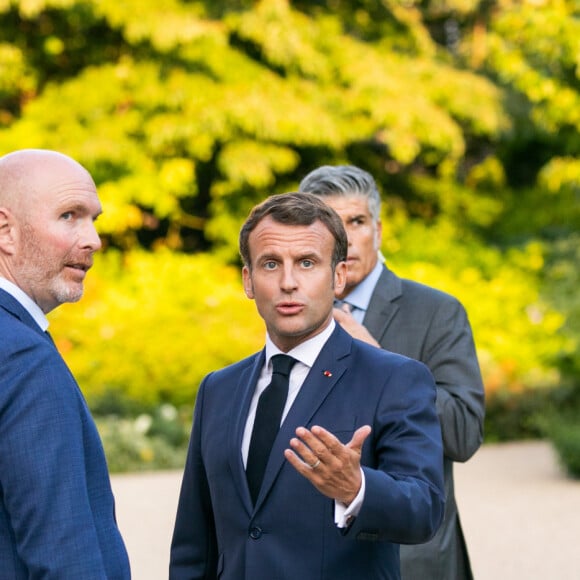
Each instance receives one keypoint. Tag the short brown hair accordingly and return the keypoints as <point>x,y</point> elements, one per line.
<point>295,209</point>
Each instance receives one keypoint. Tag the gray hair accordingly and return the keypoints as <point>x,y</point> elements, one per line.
<point>344,180</point>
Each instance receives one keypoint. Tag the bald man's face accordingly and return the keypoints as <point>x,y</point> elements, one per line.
<point>53,236</point>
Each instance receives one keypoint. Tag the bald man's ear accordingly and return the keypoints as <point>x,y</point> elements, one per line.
<point>7,232</point>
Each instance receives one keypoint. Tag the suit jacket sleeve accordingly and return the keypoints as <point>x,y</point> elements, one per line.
<point>43,466</point>
<point>449,352</point>
<point>194,544</point>
<point>404,493</point>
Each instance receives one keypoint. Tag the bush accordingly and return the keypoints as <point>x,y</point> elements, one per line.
<point>511,416</point>
<point>565,436</point>
<point>147,442</point>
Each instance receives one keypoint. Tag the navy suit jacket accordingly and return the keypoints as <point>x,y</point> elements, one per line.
<point>290,533</point>
<point>57,517</point>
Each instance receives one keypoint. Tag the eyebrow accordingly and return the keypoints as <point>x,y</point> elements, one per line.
<point>357,216</point>
<point>276,258</point>
<point>79,208</point>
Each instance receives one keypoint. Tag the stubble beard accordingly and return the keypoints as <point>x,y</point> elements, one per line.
<point>45,275</point>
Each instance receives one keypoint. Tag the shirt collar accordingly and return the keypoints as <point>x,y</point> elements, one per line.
<point>307,351</point>
<point>360,295</point>
<point>31,307</point>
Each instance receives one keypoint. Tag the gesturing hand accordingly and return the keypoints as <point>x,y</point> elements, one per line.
<point>332,467</point>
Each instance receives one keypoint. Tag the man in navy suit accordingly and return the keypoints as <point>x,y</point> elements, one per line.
<point>57,519</point>
<point>419,322</point>
<point>356,465</point>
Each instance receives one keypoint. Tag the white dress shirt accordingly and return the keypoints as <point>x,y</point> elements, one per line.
<point>305,354</point>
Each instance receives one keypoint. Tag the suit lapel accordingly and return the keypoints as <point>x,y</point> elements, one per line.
<point>383,307</point>
<point>327,371</point>
<point>242,398</point>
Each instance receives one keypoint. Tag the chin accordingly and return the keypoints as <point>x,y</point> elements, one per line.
<point>69,293</point>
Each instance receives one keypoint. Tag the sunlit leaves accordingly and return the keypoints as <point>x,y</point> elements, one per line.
<point>152,325</point>
<point>187,113</point>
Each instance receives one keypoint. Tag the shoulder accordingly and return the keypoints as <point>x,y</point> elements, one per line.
<point>403,291</point>
<point>234,370</point>
<point>25,342</point>
<point>378,359</point>
<point>420,300</point>
<point>32,368</point>
<point>371,361</point>
<point>433,295</point>
<point>388,374</point>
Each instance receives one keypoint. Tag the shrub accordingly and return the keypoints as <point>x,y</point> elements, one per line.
<point>565,436</point>
<point>510,416</point>
<point>146,442</point>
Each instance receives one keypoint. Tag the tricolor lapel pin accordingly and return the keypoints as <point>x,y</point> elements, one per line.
<point>327,373</point>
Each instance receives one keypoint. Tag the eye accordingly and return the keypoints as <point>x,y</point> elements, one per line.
<point>269,265</point>
<point>67,215</point>
<point>307,263</point>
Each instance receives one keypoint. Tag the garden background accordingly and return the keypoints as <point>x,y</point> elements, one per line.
<point>187,113</point>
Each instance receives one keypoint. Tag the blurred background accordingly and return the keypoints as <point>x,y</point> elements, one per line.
<point>187,113</point>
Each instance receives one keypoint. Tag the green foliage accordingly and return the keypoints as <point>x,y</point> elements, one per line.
<point>511,416</point>
<point>147,442</point>
<point>565,436</point>
<point>518,332</point>
<point>151,326</point>
<point>189,112</point>
<point>561,280</point>
<point>189,117</point>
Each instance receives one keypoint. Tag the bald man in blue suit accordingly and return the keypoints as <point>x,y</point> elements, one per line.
<point>356,467</point>
<point>57,517</point>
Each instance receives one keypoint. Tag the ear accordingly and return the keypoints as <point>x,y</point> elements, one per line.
<point>247,280</point>
<point>7,232</point>
<point>340,278</point>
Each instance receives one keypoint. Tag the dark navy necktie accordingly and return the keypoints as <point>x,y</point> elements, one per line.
<point>267,422</point>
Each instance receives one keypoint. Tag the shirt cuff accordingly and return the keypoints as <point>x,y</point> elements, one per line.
<point>343,515</point>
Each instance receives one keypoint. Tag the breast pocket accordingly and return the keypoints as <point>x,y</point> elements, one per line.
<point>341,425</point>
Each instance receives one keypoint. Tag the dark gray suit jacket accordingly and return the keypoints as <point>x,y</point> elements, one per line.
<point>432,327</point>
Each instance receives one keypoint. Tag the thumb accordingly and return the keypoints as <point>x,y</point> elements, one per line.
<point>359,438</point>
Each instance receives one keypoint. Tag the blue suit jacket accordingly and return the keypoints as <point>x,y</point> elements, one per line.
<point>57,517</point>
<point>290,533</point>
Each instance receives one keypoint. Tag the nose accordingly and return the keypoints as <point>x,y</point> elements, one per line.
<point>288,279</point>
<point>90,238</point>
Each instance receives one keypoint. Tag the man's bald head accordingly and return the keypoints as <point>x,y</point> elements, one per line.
<point>48,208</point>
<point>26,172</point>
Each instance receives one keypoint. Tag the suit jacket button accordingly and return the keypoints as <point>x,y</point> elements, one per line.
<point>255,533</point>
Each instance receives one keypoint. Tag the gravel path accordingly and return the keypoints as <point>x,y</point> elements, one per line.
<point>520,514</point>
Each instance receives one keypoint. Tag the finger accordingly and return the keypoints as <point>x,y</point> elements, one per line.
<point>324,441</point>
<point>359,437</point>
<point>300,465</point>
<point>303,451</point>
<point>341,315</point>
